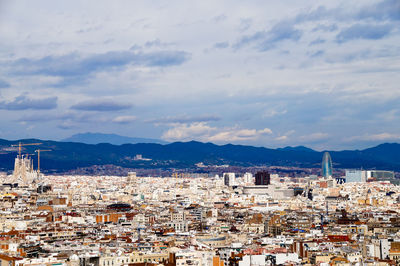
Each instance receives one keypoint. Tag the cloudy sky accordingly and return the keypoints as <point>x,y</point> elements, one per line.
<point>324,74</point>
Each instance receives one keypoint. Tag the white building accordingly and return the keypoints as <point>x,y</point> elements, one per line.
<point>229,179</point>
<point>248,178</point>
<point>356,176</point>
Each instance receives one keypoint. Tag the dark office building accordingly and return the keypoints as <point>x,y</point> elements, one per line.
<point>298,191</point>
<point>262,178</point>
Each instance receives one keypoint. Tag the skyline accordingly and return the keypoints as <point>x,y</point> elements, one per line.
<point>254,73</point>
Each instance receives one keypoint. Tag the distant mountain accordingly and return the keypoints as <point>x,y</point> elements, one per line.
<point>96,138</point>
<point>297,148</point>
<point>70,155</point>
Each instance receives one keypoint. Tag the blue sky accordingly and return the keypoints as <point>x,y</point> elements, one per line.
<point>324,74</point>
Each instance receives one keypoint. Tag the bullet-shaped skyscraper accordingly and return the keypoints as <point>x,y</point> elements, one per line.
<point>327,165</point>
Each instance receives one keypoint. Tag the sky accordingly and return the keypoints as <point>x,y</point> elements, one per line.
<point>323,74</point>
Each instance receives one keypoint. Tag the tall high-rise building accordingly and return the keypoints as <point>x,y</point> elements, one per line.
<point>263,178</point>
<point>327,165</point>
<point>229,179</point>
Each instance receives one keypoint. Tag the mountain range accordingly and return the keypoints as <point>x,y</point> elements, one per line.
<point>70,155</point>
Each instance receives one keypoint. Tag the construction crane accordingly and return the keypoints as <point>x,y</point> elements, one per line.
<point>19,145</point>
<point>38,161</point>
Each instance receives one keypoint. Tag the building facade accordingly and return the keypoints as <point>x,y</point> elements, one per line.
<point>263,178</point>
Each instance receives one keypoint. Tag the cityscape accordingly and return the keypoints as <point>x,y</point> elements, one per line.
<point>199,133</point>
<point>199,219</point>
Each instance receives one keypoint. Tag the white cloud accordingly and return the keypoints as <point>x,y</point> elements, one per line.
<point>375,137</point>
<point>285,137</point>
<point>282,138</point>
<point>203,132</point>
<point>123,119</point>
<point>233,134</point>
<point>188,131</point>
<point>265,131</point>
